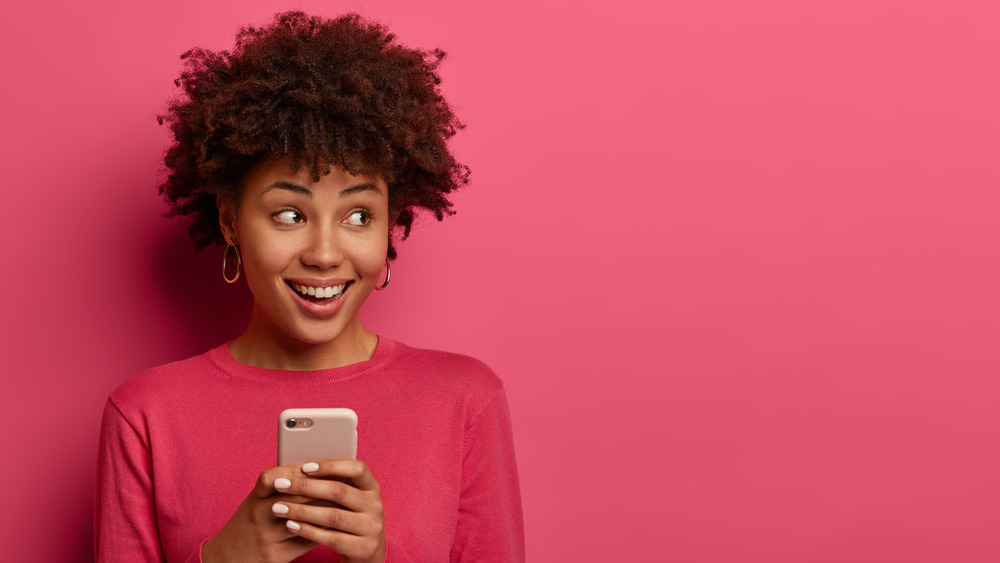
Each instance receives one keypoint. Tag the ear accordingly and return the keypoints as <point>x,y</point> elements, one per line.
<point>227,219</point>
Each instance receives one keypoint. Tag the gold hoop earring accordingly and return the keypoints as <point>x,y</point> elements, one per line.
<point>388,274</point>
<point>225,262</point>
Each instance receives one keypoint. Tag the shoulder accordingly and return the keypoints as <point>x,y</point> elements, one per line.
<point>449,367</point>
<point>447,375</point>
<point>438,360</point>
<point>163,383</point>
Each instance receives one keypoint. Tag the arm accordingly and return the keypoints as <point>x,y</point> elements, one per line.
<point>125,520</point>
<point>394,555</point>
<point>124,515</point>
<point>490,522</point>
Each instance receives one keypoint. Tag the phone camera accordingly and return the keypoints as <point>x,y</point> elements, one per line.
<point>290,423</point>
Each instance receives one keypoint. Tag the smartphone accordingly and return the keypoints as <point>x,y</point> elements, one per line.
<point>313,434</point>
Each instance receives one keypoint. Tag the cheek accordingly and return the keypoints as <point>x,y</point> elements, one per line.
<point>264,256</point>
<point>374,261</point>
<point>370,257</point>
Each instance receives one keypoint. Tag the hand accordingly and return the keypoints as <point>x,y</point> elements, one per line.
<point>354,526</point>
<point>253,533</point>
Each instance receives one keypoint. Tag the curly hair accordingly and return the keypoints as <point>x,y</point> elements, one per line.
<point>319,92</point>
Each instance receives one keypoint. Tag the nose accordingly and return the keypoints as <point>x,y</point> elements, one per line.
<point>322,250</point>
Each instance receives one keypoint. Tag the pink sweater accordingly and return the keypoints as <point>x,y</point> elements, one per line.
<point>182,445</point>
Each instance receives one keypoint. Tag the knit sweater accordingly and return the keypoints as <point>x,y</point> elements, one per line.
<point>182,445</point>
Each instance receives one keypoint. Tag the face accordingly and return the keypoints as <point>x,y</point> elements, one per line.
<point>312,251</point>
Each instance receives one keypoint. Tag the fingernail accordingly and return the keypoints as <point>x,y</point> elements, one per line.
<point>293,526</point>
<point>279,508</point>
<point>282,483</point>
<point>310,467</point>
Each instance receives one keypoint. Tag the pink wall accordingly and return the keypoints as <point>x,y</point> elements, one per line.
<point>738,263</point>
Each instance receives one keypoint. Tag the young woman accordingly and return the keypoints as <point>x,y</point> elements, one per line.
<point>305,152</point>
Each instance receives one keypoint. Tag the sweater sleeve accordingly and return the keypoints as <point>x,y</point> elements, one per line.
<point>395,555</point>
<point>490,522</point>
<point>124,516</point>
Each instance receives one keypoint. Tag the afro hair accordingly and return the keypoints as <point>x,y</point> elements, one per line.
<point>319,92</point>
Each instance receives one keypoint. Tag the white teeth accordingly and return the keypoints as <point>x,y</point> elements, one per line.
<point>320,292</point>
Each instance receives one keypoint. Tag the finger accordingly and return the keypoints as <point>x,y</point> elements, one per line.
<point>337,492</point>
<point>300,499</point>
<point>348,545</point>
<point>266,480</point>
<point>356,523</point>
<point>353,470</point>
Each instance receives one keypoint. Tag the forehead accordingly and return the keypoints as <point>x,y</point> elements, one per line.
<point>271,175</point>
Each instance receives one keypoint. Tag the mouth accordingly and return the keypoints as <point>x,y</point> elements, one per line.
<point>319,294</point>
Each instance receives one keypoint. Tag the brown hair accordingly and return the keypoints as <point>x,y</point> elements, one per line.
<point>319,92</point>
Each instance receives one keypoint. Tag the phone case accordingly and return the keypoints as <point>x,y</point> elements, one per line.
<point>332,435</point>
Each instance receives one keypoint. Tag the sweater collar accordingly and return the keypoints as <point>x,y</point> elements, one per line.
<point>222,358</point>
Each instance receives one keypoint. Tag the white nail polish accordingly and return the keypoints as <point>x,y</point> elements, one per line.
<point>310,467</point>
<point>293,526</point>
<point>282,483</point>
<point>279,508</point>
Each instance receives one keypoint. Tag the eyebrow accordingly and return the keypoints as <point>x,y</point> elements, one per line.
<point>280,185</point>
<point>360,188</point>
<point>292,187</point>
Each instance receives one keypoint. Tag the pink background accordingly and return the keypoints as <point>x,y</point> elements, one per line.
<point>737,261</point>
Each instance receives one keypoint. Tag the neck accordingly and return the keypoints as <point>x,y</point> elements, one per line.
<point>267,346</point>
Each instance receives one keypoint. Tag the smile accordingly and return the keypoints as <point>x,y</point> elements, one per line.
<point>319,293</point>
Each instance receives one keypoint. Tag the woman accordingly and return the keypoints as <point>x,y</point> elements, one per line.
<point>304,151</point>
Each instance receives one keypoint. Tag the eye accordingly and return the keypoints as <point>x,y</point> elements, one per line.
<point>358,218</point>
<point>288,216</point>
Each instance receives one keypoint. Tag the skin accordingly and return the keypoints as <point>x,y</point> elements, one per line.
<point>289,228</point>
